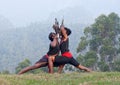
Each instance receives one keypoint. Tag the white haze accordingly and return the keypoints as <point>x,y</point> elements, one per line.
<point>23,12</point>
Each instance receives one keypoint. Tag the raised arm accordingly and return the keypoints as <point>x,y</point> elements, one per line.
<point>63,33</point>
<point>55,41</point>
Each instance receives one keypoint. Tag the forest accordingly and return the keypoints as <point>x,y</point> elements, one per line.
<point>99,48</point>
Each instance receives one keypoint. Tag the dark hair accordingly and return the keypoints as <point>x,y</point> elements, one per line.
<point>68,31</point>
<point>51,36</point>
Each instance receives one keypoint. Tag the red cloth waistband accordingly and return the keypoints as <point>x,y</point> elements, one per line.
<point>67,54</point>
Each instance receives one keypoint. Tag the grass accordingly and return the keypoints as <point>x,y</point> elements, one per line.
<point>95,78</point>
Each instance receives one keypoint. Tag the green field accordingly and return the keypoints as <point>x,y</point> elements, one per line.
<point>95,78</point>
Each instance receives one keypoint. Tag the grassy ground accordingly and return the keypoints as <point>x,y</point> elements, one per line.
<point>95,78</point>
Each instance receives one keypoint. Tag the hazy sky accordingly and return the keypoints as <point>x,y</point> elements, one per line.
<point>22,12</point>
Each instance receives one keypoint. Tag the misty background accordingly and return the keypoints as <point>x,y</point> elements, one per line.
<point>25,25</point>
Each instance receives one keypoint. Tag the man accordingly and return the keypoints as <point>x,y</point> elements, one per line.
<point>53,51</point>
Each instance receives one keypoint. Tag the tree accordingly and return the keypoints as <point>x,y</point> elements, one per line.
<point>22,65</point>
<point>5,72</point>
<point>89,59</point>
<point>101,40</point>
<point>116,65</point>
